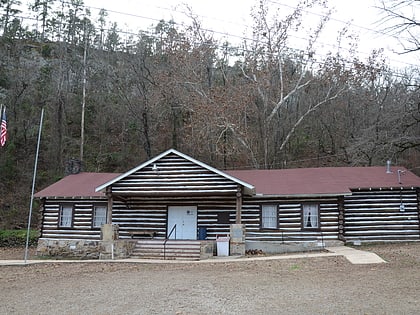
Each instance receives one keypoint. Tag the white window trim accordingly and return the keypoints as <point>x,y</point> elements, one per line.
<point>269,216</point>
<point>98,221</point>
<point>310,216</point>
<point>66,216</point>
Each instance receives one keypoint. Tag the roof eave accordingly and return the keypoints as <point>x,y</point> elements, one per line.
<point>304,195</point>
<point>385,187</point>
<point>73,197</point>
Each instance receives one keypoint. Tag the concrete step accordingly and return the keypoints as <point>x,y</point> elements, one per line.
<point>172,250</point>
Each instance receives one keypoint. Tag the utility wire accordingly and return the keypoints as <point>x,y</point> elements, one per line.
<point>243,38</point>
<point>225,34</point>
<point>238,49</point>
<point>174,9</point>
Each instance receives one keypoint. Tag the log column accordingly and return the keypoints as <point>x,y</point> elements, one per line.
<point>110,204</point>
<point>238,205</point>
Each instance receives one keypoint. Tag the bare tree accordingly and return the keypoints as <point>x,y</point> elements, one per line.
<point>282,79</point>
<point>400,21</point>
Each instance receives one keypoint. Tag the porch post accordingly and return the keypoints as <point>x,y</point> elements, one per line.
<point>110,203</point>
<point>238,205</point>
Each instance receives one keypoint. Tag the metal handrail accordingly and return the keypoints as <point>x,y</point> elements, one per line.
<point>166,239</point>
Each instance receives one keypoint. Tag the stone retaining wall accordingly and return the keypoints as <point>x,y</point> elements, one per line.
<point>280,248</point>
<point>85,249</point>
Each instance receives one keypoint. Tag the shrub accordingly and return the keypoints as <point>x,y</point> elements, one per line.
<point>15,238</point>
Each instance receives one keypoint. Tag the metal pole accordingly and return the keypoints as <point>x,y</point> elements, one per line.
<point>82,124</point>
<point>33,186</point>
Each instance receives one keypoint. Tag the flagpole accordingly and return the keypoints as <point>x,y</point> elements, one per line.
<point>33,185</point>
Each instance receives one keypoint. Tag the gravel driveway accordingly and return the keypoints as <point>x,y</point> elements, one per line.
<point>329,285</point>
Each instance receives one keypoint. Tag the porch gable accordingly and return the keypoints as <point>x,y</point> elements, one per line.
<point>174,173</point>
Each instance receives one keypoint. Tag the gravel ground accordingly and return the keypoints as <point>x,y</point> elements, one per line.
<point>329,285</point>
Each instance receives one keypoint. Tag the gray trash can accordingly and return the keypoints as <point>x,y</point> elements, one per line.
<point>223,246</point>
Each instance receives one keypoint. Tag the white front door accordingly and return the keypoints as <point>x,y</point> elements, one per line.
<point>185,218</point>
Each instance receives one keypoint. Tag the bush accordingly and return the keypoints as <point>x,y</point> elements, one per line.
<point>15,238</point>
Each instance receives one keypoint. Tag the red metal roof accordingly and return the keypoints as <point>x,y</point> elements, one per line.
<point>301,181</point>
<point>77,185</point>
<point>325,180</point>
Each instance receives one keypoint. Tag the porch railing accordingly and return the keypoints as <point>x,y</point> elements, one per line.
<point>167,238</point>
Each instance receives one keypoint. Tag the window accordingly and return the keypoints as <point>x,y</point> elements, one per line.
<point>310,216</point>
<point>223,218</point>
<point>66,216</point>
<point>269,217</point>
<point>99,216</point>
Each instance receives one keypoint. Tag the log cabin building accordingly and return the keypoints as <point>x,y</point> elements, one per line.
<point>174,197</point>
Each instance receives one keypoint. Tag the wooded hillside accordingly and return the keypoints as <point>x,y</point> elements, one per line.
<point>259,104</point>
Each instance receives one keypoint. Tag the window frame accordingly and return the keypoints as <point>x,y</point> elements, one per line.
<point>60,215</point>
<point>318,216</point>
<point>262,226</point>
<point>95,206</point>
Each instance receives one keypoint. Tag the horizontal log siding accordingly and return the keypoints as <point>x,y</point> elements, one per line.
<point>142,213</point>
<point>82,219</point>
<point>376,216</point>
<point>290,220</point>
<point>174,176</point>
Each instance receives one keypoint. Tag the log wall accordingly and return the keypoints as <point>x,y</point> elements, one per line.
<point>82,219</point>
<point>140,202</point>
<point>290,220</point>
<point>141,213</point>
<point>376,215</point>
<point>368,216</point>
<point>141,199</point>
<point>174,176</point>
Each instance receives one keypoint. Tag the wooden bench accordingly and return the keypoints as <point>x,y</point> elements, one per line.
<point>143,234</point>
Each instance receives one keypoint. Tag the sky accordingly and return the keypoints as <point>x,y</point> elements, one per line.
<point>231,21</point>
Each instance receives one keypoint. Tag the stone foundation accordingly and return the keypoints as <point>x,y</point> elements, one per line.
<point>122,248</point>
<point>119,249</point>
<point>289,247</point>
<point>237,249</point>
<point>85,249</point>
<point>206,249</point>
<point>237,240</point>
